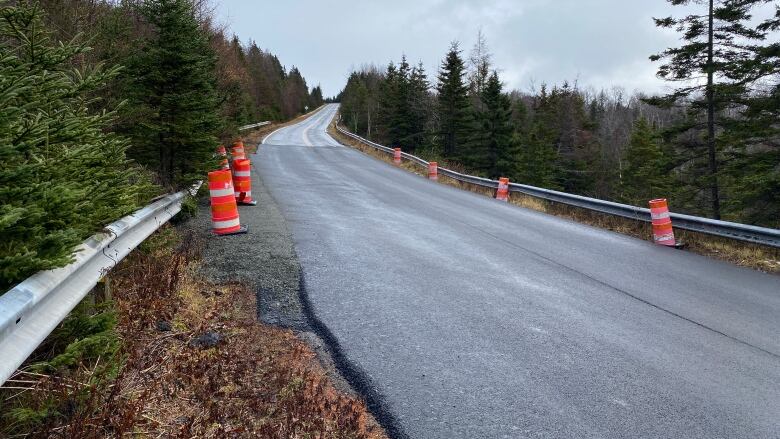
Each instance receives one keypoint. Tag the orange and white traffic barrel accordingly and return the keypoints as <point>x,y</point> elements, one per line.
<point>222,153</point>
<point>242,182</point>
<point>663,234</point>
<point>502,193</point>
<point>397,156</point>
<point>238,151</point>
<point>433,171</point>
<point>224,211</point>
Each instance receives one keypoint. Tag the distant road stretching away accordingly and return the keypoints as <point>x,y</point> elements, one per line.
<point>472,318</point>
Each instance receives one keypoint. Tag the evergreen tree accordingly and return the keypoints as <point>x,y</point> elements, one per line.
<point>753,168</point>
<point>360,102</point>
<point>490,151</point>
<point>563,113</point>
<point>316,100</point>
<point>419,105</point>
<point>173,104</point>
<point>295,97</point>
<point>396,111</point>
<point>62,176</point>
<point>715,48</point>
<point>537,164</point>
<point>645,175</point>
<point>453,107</point>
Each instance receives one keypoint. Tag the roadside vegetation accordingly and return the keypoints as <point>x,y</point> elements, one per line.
<point>164,353</point>
<point>710,146</point>
<point>108,104</point>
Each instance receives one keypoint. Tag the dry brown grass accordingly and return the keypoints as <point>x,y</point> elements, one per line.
<point>755,256</point>
<point>257,381</point>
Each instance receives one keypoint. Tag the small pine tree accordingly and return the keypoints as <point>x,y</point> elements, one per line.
<point>645,176</point>
<point>315,98</point>
<point>453,108</point>
<point>395,101</point>
<point>62,176</point>
<point>538,158</point>
<point>419,103</point>
<point>490,150</point>
<point>174,107</point>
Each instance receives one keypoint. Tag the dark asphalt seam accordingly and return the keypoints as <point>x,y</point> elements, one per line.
<point>620,290</point>
<point>355,376</point>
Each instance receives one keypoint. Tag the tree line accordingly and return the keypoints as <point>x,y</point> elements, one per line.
<point>109,103</point>
<point>711,145</point>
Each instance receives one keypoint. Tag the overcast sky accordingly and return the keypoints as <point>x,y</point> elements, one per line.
<point>599,43</point>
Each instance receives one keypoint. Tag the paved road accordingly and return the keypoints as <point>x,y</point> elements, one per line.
<point>473,318</point>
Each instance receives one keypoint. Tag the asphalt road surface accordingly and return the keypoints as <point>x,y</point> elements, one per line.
<point>466,317</point>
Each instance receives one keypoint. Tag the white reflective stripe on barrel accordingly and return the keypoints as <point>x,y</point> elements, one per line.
<point>225,224</point>
<point>221,192</point>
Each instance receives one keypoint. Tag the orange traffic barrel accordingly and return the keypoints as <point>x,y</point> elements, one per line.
<point>224,211</point>
<point>502,193</point>
<point>242,182</point>
<point>663,233</point>
<point>222,153</point>
<point>238,151</point>
<point>397,156</point>
<point>433,171</point>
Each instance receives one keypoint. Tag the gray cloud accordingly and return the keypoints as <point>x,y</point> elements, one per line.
<point>599,43</point>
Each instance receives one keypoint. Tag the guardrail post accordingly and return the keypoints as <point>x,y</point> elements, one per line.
<point>502,193</point>
<point>102,290</point>
<point>663,233</point>
<point>433,171</point>
<point>397,156</point>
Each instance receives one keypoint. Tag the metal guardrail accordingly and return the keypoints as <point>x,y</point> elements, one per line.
<point>725,229</point>
<point>254,125</point>
<point>33,308</point>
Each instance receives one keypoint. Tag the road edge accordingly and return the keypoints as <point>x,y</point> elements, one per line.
<point>355,376</point>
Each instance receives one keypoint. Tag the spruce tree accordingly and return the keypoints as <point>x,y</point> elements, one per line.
<point>645,174</point>
<point>490,150</point>
<point>716,43</point>
<point>753,167</point>
<point>396,105</point>
<point>419,104</point>
<point>453,106</point>
<point>387,102</point>
<point>174,107</point>
<point>538,159</point>
<point>62,176</point>
<point>295,96</point>
<point>315,98</point>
